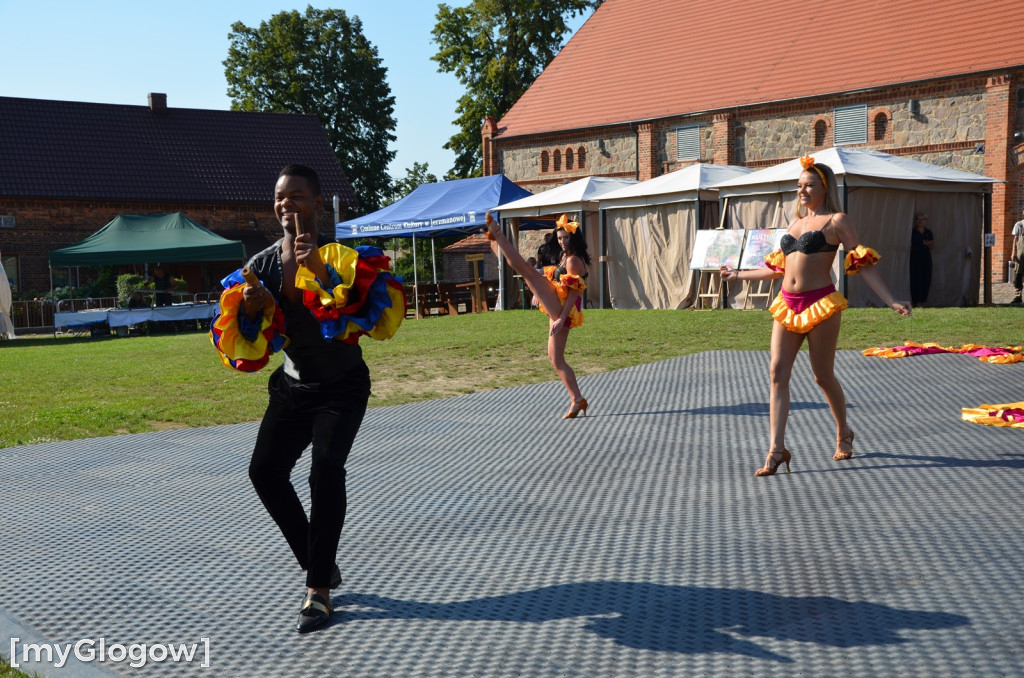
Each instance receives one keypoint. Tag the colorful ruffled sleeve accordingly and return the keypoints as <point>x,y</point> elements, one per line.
<point>859,258</point>
<point>776,261</point>
<point>572,282</point>
<point>245,344</point>
<point>361,297</point>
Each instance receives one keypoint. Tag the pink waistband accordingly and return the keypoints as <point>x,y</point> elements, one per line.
<point>799,301</point>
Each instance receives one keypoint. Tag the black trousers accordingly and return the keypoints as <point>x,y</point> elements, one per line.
<point>328,415</point>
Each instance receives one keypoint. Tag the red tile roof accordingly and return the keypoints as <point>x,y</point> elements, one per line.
<point>74,150</point>
<point>636,60</point>
<point>475,243</point>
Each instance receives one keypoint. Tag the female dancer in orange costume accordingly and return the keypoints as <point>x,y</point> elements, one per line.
<point>809,305</point>
<point>558,290</point>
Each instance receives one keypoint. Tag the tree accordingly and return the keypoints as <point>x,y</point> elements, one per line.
<point>320,63</point>
<point>414,176</point>
<point>496,48</point>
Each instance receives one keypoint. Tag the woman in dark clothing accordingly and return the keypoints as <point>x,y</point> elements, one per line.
<point>921,243</point>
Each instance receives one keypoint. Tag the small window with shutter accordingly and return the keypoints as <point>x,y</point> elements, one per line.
<point>850,125</point>
<point>688,142</point>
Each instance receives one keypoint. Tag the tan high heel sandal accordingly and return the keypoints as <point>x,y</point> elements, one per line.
<point>771,464</point>
<point>842,455</point>
<point>576,408</point>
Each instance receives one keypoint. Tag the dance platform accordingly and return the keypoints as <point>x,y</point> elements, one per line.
<point>488,537</point>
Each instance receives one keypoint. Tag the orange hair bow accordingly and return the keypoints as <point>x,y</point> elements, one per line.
<point>566,225</point>
<point>807,162</point>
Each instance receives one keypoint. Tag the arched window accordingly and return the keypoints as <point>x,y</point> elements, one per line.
<point>820,131</point>
<point>568,158</point>
<point>881,126</point>
<point>543,161</point>
<point>556,159</point>
<point>581,158</point>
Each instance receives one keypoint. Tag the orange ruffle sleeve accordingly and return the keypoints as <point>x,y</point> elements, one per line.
<point>776,261</point>
<point>860,257</point>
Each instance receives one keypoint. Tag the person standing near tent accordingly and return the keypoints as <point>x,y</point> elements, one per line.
<point>809,305</point>
<point>319,394</point>
<point>1017,257</point>
<point>558,289</point>
<point>163,284</point>
<point>921,243</point>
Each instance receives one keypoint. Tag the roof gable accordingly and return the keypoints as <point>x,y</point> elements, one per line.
<point>76,150</point>
<point>638,60</point>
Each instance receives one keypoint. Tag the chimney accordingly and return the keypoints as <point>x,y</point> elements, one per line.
<point>157,102</point>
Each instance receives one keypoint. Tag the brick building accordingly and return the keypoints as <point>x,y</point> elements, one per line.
<point>646,87</point>
<point>69,168</point>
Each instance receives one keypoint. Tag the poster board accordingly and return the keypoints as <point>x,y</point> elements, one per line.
<point>758,244</point>
<point>716,247</point>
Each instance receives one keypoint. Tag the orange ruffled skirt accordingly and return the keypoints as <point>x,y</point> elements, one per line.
<point>805,320</point>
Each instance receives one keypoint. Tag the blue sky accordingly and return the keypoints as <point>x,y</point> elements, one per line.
<point>119,51</point>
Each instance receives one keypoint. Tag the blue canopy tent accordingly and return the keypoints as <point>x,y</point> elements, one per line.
<point>435,210</point>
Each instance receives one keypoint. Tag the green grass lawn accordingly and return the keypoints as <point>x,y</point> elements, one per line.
<point>69,388</point>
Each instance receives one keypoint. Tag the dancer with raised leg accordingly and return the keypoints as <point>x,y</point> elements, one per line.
<point>558,291</point>
<point>809,305</point>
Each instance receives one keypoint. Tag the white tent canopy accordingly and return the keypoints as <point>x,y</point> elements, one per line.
<point>688,184</point>
<point>577,197</point>
<point>860,167</point>
<point>881,194</point>
<point>649,233</point>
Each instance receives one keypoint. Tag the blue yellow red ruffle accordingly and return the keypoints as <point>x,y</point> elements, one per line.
<point>1002,355</point>
<point>231,334</point>
<point>1006,414</point>
<point>860,257</point>
<point>362,296</point>
<point>566,282</point>
<point>813,315</point>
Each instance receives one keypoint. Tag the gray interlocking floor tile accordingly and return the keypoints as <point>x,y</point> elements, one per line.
<point>488,537</point>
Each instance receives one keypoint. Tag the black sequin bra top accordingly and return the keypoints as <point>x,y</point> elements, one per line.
<point>808,243</point>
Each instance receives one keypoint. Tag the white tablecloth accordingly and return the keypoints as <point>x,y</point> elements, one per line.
<point>123,317</point>
<point>80,318</point>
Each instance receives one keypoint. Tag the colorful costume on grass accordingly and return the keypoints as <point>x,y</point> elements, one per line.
<point>1007,414</point>
<point>801,312</point>
<point>563,283</point>
<point>1002,355</point>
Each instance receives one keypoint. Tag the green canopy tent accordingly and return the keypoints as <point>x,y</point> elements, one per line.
<point>137,238</point>
<point>141,238</point>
